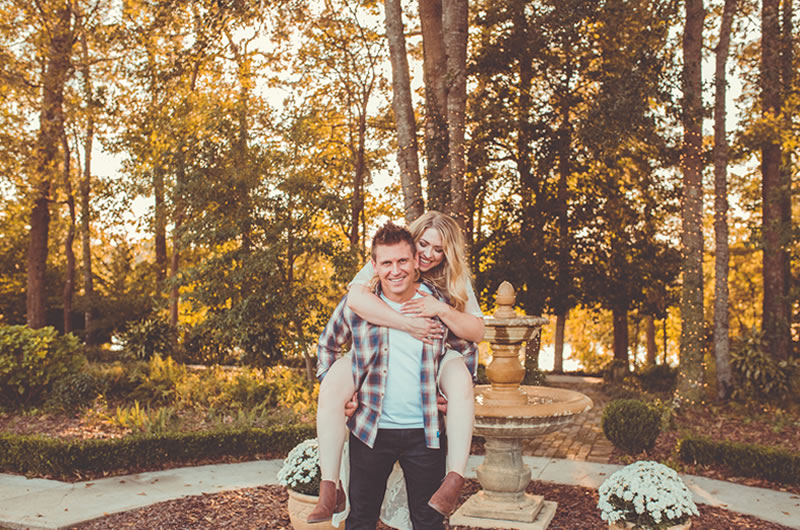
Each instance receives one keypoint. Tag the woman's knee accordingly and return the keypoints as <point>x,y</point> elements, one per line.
<point>337,386</point>
<point>455,379</point>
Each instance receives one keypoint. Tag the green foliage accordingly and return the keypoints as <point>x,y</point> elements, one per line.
<point>615,372</point>
<point>158,384</point>
<point>145,420</point>
<point>65,459</point>
<point>631,425</point>
<point>151,336</point>
<point>657,378</point>
<point>32,360</point>
<point>758,376</point>
<point>204,344</point>
<point>74,391</point>
<point>751,460</point>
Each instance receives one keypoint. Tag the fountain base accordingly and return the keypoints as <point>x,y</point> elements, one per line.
<point>480,511</point>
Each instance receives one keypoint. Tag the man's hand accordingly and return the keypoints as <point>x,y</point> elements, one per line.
<point>351,406</point>
<point>441,404</point>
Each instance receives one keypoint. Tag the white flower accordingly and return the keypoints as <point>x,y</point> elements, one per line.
<point>301,465</point>
<point>646,493</point>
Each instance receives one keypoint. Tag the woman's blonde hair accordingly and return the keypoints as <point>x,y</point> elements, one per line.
<point>452,275</point>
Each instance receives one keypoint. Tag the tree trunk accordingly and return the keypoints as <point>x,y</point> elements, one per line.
<point>357,203</point>
<point>408,151</point>
<point>48,140</point>
<point>650,340</point>
<point>435,63</point>
<point>634,342</point>
<point>690,381</point>
<point>562,295</point>
<point>69,252</point>
<point>243,180</point>
<point>721,256</point>
<point>85,190</point>
<point>776,233</point>
<point>558,350</point>
<point>454,25</point>
<point>620,317</point>
<point>178,217</point>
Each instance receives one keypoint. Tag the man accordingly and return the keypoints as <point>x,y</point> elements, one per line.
<point>396,418</point>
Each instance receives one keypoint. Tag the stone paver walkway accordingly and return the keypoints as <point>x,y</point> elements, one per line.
<point>582,440</point>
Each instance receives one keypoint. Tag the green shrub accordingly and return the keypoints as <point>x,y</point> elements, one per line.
<point>158,384</point>
<point>751,460</point>
<point>249,390</point>
<point>615,372</point>
<point>32,360</point>
<point>204,344</point>
<point>65,459</point>
<point>757,374</point>
<point>145,338</point>
<point>74,391</point>
<point>631,425</point>
<point>658,378</point>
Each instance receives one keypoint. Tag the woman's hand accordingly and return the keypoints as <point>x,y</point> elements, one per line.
<point>424,306</point>
<point>425,329</point>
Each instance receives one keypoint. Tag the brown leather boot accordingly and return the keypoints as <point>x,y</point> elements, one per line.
<point>331,500</point>
<point>446,497</point>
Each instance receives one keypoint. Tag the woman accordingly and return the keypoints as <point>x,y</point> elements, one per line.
<point>440,251</point>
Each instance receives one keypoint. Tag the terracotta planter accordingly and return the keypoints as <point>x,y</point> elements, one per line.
<point>299,506</point>
<point>626,525</point>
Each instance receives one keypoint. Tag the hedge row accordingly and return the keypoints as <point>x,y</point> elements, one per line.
<point>65,459</point>
<point>750,460</point>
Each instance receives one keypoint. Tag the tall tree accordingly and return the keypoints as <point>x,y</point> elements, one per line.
<point>690,380</point>
<point>722,254</point>
<point>69,276</point>
<point>405,122</point>
<point>85,192</point>
<point>436,89</point>
<point>776,180</point>
<point>56,23</point>
<point>454,29</point>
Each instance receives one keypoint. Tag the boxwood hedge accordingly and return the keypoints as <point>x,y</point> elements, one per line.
<point>751,460</point>
<point>68,459</point>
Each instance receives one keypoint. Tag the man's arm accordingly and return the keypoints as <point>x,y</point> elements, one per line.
<point>336,333</point>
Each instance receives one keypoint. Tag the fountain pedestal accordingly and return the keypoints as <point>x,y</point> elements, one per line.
<point>507,413</point>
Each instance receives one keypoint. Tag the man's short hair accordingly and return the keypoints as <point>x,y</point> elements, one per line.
<point>391,234</point>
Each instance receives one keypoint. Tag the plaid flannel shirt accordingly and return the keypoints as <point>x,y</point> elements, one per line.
<point>370,347</point>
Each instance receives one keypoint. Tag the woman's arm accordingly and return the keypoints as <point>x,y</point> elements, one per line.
<point>371,308</point>
<point>463,325</point>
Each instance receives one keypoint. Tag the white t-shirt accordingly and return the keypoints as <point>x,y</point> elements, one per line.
<point>366,273</point>
<point>402,398</point>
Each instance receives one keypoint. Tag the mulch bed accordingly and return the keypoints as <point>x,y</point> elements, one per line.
<point>264,508</point>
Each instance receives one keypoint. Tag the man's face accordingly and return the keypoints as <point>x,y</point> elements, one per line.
<point>395,266</point>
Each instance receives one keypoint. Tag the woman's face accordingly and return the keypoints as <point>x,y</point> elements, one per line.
<point>429,249</point>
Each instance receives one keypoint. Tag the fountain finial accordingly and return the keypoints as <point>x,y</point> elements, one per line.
<point>505,298</point>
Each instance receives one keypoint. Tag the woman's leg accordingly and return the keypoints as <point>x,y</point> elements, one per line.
<point>336,389</point>
<point>455,383</point>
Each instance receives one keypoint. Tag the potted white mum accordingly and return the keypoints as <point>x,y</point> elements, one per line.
<point>646,495</point>
<point>301,476</point>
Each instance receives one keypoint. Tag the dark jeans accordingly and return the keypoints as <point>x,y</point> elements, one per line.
<point>370,468</point>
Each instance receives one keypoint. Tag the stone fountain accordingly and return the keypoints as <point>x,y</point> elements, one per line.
<point>506,413</point>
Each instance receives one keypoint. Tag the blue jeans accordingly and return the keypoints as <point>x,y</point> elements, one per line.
<point>424,469</point>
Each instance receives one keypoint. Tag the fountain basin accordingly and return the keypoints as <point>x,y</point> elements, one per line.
<point>546,409</point>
